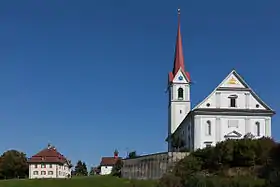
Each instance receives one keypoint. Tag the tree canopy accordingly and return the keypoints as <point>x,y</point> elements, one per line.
<point>252,162</point>
<point>132,154</point>
<point>116,170</point>
<point>13,164</point>
<point>80,169</point>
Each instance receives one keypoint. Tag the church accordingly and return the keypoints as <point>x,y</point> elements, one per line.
<point>233,110</point>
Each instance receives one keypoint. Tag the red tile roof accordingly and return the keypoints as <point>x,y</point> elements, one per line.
<point>109,161</point>
<point>48,155</point>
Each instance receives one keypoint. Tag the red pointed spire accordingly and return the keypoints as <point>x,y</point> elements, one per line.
<point>179,56</point>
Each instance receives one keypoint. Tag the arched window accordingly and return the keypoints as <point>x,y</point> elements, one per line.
<point>258,133</point>
<point>208,127</point>
<point>180,93</point>
<point>232,99</point>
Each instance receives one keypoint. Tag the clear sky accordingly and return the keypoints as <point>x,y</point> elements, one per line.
<point>89,76</point>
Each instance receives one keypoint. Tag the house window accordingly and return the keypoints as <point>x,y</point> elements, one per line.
<point>180,93</point>
<point>36,166</point>
<point>208,127</point>
<point>50,172</point>
<point>258,133</point>
<point>35,172</point>
<point>232,99</point>
<point>43,166</point>
<point>43,172</point>
<point>50,165</point>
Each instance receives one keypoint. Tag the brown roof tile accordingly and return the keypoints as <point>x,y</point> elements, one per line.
<point>48,155</point>
<point>109,161</point>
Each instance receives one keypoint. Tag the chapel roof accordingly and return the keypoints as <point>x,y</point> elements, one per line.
<point>108,161</point>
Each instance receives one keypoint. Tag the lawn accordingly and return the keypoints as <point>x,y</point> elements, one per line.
<point>96,181</point>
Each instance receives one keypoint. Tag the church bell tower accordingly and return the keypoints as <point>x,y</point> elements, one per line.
<point>178,89</point>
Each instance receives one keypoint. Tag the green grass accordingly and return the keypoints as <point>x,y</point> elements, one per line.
<point>96,181</point>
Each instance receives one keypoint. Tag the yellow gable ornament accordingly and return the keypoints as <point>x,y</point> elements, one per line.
<point>232,81</point>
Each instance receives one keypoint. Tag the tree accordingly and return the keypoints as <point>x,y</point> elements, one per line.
<point>85,172</point>
<point>92,171</point>
<point>116,171</point>
<point>81,169</point>
<point>132,154</point>
<point>187,167</point>
<point>244,162</point>
<point>13,164</point>
<point>169,180</point>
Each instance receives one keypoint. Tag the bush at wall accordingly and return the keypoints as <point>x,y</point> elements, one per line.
<point>245,162</point>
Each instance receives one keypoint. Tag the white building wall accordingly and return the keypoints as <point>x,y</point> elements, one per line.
<point>185,132</point>
<point>220,126</point>
<point>246,102</point>
<point>49,171</point>
<point>178,107</point>
<point>106,170</point>
<point>220,100</point>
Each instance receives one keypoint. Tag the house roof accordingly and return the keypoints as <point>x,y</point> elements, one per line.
<point>108,161</point>
<point>48,155</point>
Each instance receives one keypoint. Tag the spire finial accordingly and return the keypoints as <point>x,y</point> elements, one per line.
<point>179,15</point>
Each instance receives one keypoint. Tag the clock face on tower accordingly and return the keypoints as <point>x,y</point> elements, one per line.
<point>180,78</point>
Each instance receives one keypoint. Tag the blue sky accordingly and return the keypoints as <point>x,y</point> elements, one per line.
<point>89,76</point>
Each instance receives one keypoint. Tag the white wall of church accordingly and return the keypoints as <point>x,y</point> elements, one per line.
<point>174,94</point>
<point>185,132</point>
<point>179,107</point>
<point>240,113</point>
<point>106,170</point>
<point>178,113</point>
<point>220,99</point>
<point>228,125</point>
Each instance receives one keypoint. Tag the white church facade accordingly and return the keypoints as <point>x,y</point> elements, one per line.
<point>232,110</point>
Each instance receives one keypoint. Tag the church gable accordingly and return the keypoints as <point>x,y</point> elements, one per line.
<point>233,87</point>
<point>180,78</point>
<point>233,80</point>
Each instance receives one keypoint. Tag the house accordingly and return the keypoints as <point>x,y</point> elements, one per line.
<point>232,110</point>
<point>107,164</point>
<point>49,163</point>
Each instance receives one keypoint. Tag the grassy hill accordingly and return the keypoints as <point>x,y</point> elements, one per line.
<point>96,181</point>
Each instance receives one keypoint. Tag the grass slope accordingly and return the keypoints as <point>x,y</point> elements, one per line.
<point>96,181</point>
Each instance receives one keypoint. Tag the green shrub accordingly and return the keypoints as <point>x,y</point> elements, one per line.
<point>170,180</point>
<point>231,163</point>
<point>223,182</point>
